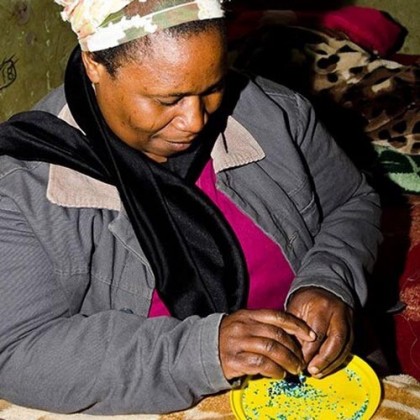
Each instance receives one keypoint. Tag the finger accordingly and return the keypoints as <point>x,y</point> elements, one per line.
<point>333,366</point>
<point>288,322</point>
<point>331,355</point>
<point>245,324</point>
<point>310,349</point>
<point>240,333</point>
<point>276,352</point>
<point>272,332</point>
<point>256,364</point>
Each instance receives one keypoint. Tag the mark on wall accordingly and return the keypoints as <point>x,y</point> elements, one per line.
<point>22,13</point>
<point>8,73</point>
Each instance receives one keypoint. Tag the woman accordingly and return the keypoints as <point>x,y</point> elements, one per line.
<point>153,232</point>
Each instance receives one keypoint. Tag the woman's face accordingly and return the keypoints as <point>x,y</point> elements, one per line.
<point>160,104</point>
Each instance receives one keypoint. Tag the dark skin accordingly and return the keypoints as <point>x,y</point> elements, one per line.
<point>158,104</point>
<point>263,342</point>
<point>246,347</point>
<point>332,321</point>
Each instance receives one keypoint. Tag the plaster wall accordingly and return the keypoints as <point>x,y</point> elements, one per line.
<point>34,46</point>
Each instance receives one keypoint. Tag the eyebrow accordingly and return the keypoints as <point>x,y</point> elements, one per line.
<point>214,86</point>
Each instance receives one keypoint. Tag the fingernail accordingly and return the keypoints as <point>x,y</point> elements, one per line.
<point>313,370</point>
<point>312,335</point>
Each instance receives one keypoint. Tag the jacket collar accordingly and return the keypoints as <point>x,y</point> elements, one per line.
<point>66,187</point>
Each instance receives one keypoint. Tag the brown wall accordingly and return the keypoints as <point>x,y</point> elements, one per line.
<point>34,46</point>
<point>407,12</point>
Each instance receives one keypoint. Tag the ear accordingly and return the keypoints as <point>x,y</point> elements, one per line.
<point>93,69</point>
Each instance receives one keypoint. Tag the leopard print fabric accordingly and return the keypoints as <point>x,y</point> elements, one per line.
<point>370,105</point>
<point>327,65</point>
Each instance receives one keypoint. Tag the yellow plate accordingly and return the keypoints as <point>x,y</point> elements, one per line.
<point>351,393</point>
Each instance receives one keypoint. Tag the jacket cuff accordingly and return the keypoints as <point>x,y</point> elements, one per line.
<point>209,352</point>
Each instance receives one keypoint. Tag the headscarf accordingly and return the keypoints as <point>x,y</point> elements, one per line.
<point>103,24</point>
<point>197,262</point>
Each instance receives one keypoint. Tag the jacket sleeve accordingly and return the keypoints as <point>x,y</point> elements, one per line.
<point>107,363</point>
<point>345,247</point>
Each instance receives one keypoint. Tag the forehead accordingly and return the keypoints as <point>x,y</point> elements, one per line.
<point>177,63</point>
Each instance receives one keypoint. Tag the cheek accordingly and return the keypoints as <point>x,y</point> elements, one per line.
<point>140,122</point>
<point>145,118</point>
<point>213,102</point>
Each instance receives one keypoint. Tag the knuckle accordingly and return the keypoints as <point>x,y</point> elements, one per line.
<point>269,346</point>
<point>281,316</point>
<point>340,337</point>
<point>243,317</point>
<point>257,361</point>
<point>280,335</point>
<point>241,313</point>
<point>236,328</point>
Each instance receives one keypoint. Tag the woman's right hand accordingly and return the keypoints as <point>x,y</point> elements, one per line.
<point>261,342</point>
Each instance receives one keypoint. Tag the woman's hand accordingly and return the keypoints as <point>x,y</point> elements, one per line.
<point>261,342</point>
<point>332,320</point>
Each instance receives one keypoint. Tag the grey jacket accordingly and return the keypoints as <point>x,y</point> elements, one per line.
<point>75,286</point>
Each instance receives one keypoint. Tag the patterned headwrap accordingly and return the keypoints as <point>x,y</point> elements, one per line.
<point>102,24</point>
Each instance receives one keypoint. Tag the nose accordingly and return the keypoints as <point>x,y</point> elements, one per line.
<point>192,115</point>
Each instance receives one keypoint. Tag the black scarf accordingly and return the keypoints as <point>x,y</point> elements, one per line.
<point>197,262</point>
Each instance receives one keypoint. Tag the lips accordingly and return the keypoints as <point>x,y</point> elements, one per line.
<point>179,142</point>
<point>186,140</point>
<point>179,145</point>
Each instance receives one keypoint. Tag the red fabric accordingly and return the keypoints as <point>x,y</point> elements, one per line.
<point>367,27</point>
<point>407,323</point>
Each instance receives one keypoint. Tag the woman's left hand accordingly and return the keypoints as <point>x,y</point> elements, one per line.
<point>332,321</point>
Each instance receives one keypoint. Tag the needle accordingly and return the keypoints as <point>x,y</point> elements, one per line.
<point>301,377</point>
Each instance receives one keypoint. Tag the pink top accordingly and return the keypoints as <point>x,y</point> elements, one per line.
<point>269,272</point>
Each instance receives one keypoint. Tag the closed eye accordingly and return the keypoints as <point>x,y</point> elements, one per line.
<point>216,88</point>
<point>173,100</point>
<point>168,103</point>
